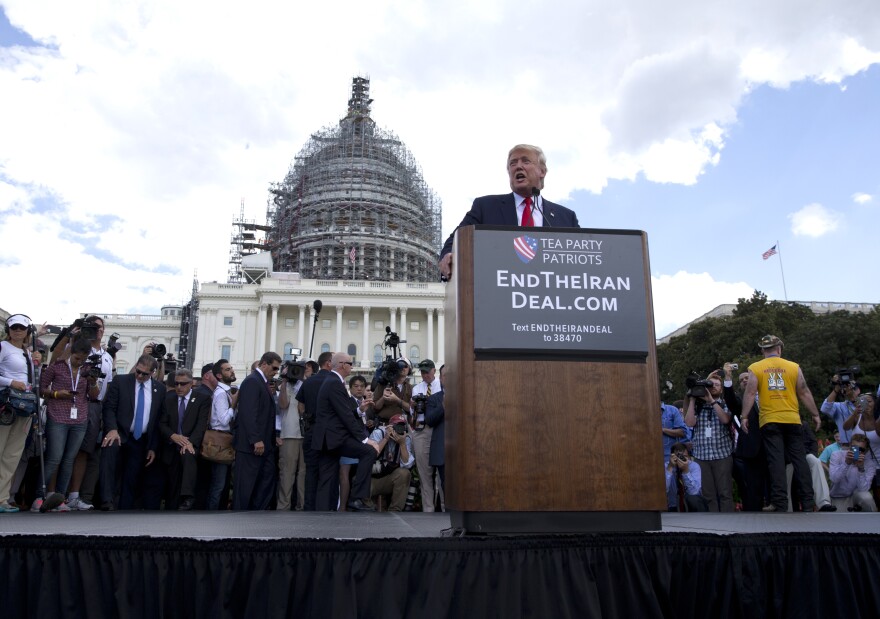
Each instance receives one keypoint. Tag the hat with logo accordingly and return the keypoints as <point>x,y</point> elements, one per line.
<point>18,319</point>
<point>769,341</point>
<point>426,364</point>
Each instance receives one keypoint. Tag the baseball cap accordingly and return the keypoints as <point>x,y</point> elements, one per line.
<point>397,419</point>
<point>426,364</point>
<point>769,341</point>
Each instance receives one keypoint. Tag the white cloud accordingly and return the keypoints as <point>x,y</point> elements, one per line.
<point>862,198</point>
<point>680,298</point>
<point>156,118</point>
<point>814,220</point>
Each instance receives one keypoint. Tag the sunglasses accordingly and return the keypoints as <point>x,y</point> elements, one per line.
<point>18,328</point>
<point>182,384</point>
<point>347,363</point>
<point>139,373</point>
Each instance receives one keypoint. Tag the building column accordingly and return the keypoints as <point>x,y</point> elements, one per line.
<point>261,331</point>
<point>249,344</point>
<point>366,353</point>
<point>430,312</point>
<point>441,337</point>
<point>273,329</point>
<point>301,331</point>
<point>402,334</point>
<point>339,309</point>
<point>393,320</point>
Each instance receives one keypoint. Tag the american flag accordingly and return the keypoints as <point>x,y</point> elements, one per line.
<point>352,254</point>
<point>769,252</point>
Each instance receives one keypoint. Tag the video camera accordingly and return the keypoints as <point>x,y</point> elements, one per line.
<point>388,371</point>
<point>846,376</point>
<point>293,370</point>
<point>95,370</point>
<point>88,329</point>
<point>697,386</point>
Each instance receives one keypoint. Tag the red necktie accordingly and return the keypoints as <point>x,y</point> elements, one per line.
<point>527,221</point>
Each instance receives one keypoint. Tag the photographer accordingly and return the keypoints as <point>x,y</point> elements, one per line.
<point>683,482</point>
<point>87,463</point>
<point>749,461</point>
<point>291,457</point>
<point>846,391</point>
<point>65,386</point>
<point>391,471</point>
<point>852,471</point>
<point>707,414</point>
<point>422,433</point>
<point>396,399</point>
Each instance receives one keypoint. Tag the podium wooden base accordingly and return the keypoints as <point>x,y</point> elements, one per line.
<point>518,523</point>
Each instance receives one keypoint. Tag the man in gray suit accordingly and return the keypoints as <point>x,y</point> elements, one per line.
<point>526,168</point>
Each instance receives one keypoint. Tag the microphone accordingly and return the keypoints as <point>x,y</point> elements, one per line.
<point>317,305</point>
<point>64,332</point>
<point>536,193</point>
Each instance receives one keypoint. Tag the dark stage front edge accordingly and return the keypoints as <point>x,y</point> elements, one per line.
<point>634,576</point>
<point>512,523</point>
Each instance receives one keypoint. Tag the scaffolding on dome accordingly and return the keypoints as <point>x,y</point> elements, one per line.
<point>248,238</point>
<point>354,205</point>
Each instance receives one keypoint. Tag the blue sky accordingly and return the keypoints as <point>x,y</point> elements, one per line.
<point>130,133</point>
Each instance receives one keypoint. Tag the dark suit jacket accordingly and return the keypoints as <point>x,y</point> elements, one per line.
<point>747,445</point>
<point>337,417</point>
<point>435,417</point>
<point>195,420</point>
<point>255,419</point>
<point>119,408</point>
<point>501,211</point>
<point>308,393</point>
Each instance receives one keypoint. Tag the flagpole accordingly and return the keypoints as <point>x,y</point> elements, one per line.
<point>781,270</point>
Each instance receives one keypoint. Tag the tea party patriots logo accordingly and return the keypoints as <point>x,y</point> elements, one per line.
<point>526,248</point>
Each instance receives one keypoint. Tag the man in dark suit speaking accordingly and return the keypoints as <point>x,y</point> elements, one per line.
<point>339,431</point>
<point>526,167</point>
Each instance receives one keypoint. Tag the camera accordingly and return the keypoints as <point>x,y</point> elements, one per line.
<point>419,404</point>
<point>697,387</point>
<point>113,346</point>
<point>387,373</point>
<point>159,351</point>
<point>399,428</point>
<point>95,370</point>
<point>846,376</point>
<point>87,329</point>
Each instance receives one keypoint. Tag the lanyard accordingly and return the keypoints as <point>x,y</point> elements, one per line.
<point>73,381</point>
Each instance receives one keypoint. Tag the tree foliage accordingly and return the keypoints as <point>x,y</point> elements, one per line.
<point>820,343</point>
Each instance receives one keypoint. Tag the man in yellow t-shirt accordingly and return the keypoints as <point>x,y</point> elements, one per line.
<point>779,384</point>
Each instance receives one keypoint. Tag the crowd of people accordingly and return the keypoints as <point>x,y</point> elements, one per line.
<point>292,436</point>
<point>752,438</point>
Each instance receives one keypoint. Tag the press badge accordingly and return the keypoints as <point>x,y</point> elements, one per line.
<point>708,432</point>
<point>73,412</point>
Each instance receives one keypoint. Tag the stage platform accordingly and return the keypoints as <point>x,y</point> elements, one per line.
<point>295,564</point>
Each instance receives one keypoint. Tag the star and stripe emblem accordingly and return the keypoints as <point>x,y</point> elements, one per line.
<point>526,248</point>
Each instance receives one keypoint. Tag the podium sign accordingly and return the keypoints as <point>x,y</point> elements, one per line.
<point>554,294</point>
<point>551,387</point>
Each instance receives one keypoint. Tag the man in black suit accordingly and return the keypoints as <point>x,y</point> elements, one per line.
<point>435,417</point>
<point>131,414</point>
<point>307,403</point>
<point>254,438</point>
<point>339,431</point>
<point>182,426</point>
<point>526,168</point>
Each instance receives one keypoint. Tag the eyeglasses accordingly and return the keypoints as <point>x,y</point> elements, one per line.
<point>139,373</point>
<point>275,368</point>
<point>347,363</point>
<point>182,384</point>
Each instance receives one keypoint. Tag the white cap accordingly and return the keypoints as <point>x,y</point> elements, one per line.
<point>18,319</point>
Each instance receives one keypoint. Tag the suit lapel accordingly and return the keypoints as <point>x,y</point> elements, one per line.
<point>508,210</point>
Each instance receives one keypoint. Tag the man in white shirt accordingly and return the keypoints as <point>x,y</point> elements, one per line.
<point>422,432</point>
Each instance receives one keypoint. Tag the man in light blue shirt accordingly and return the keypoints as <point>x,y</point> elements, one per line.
<point>673,428</point>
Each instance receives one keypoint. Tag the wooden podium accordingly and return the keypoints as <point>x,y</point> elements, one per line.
<point>552,438</point>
